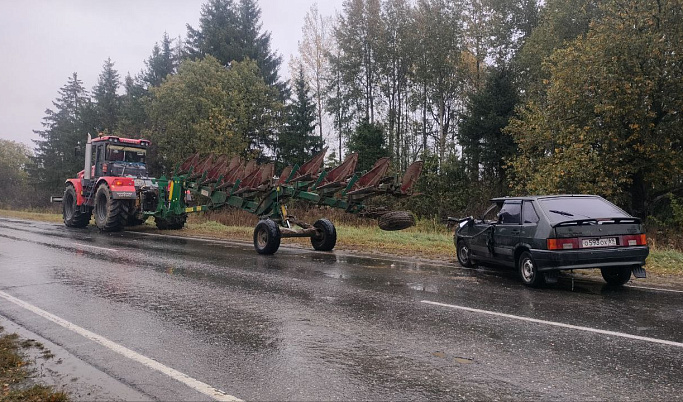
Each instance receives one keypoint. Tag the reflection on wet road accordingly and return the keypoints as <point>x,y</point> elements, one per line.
<point>304,325</point>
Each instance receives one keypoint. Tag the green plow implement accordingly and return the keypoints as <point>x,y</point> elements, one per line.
<point>213,182</point>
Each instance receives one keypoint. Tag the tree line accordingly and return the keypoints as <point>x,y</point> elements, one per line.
<point>496,96</point>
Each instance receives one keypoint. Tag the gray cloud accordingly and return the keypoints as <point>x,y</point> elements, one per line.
<point>43,42</point>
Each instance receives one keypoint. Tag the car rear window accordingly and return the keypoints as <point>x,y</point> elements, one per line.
<point>563,209</point>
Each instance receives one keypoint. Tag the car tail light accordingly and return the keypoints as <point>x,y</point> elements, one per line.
<point>563,244</point>
<point>634,240</point>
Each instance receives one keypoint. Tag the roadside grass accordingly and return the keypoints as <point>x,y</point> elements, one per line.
<point>38,215</point>
<point>15,372</point>
<point>429,239</point>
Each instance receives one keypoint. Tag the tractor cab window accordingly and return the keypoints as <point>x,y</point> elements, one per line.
<point>117,153</point>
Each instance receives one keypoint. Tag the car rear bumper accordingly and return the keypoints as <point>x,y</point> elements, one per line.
<point>547,260</point>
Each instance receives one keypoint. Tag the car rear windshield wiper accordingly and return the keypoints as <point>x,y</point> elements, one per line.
<point>560,212</point>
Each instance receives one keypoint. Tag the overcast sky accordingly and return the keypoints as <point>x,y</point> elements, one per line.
<point>42,42</point>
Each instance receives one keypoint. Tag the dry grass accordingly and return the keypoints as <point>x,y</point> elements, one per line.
<point>15,373</point>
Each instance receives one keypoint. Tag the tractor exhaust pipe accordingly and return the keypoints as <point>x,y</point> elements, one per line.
<point>88,159</point>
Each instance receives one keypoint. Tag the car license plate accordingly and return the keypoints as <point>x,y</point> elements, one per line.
<point>603,242</point>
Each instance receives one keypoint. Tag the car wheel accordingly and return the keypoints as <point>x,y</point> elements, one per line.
<point>528,271</point>
<point>616,275</point>
<point>463,252</point>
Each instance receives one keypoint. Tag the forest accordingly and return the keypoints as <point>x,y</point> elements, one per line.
<point>498,97</point>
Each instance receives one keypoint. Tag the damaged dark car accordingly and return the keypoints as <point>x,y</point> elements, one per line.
<point>540,236</point>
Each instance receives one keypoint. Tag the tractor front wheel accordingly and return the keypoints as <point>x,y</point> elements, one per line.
<point>110,215</point>
<point>73,216</point>
<point>326,237</point>
<point>267,237</point>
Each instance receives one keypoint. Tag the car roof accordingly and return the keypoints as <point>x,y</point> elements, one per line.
<point>540,197</point>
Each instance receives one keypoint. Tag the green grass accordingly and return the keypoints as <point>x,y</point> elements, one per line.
<point>665,262</point>
<point>428,239</point>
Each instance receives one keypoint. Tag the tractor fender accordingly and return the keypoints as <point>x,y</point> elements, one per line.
<point>78,186</point>
<point>122,188</point>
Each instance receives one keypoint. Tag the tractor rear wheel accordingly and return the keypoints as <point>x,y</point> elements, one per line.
<point>73,216</point>
<point>326,238</point>
<point>110,215</point>
<point>267,237</point>
<point>172,222</point>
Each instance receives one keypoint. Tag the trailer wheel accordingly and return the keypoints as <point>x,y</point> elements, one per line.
<point>110,215</point>
<point>326,237</point>
<point>396,220</point>
<point>267,237</point>
<point>73,216</point>
<point>172,222</point>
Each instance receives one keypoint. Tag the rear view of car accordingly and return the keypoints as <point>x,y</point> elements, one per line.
<point>543,235</point>
<point>591,232</point>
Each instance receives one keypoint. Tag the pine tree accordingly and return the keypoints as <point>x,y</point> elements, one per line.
<point>231,32</point>
<point>370,143</point>
<point>132,118</point>
<point>63,129</point>
<point>298,141</point>
<point>107,102</point>
<point>161,63</point>
<point>484,144</point>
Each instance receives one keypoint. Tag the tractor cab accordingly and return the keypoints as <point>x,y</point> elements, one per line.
<point>119,157</point>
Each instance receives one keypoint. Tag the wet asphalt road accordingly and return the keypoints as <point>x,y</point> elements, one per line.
<point>304,325</point>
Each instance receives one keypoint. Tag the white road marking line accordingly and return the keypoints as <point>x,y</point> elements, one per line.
<point>122,350</point>
<point>657,289</point>
<point>95,247</point>
<point>558,324</point>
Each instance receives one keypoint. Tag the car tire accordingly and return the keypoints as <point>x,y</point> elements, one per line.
<point>326,238</point>
<point>462,251</point>
<point>267,237</point>
<point>528,271</point>
<point>616,275</point>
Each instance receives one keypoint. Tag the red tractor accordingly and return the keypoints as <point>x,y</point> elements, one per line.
<point>113,184</point>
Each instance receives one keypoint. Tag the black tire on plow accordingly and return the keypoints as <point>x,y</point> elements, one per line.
<point>267,237</point>
<point>327,235</point>
<point>396,220</point>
